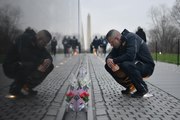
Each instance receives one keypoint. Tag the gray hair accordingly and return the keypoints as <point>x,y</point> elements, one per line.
<point>111,33</point>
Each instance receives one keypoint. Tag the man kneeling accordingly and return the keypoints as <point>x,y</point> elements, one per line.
<point>28,62</point>
<point>131,55</point>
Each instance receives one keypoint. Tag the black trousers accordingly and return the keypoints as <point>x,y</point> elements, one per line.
<point>135,72</point>
<point>53,50</point>
<point>30,78</point>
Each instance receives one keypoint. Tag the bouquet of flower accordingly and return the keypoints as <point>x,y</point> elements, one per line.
<point>77,96</point>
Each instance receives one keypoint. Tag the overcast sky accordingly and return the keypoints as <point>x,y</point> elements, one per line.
<point>120,14</point>
<point>61,15</point>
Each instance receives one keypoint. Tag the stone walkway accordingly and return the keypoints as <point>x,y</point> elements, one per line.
<point>107,103</point>
<point>110,104</point>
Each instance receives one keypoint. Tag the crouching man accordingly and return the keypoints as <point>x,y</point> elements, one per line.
<point>129,56</point>
<point>28,62</point>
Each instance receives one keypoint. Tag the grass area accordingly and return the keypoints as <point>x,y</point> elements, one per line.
<point>165,57</point>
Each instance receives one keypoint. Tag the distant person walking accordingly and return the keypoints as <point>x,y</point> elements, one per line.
<point>141,33</point>
<point>28,62</point>
<point>91,48</point>
<point>103,44</point>
<point>53,46</point>
<point>79,47</point>
<point>65,43</point>
<point>95,44</point>
<point>74,44</point>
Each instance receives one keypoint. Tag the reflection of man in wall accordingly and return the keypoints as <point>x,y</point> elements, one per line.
<point>95,44</point>
<point>79,47</point>
<point>53,46</point>
<point>91,48</point>
<point>28,62</point>
<point>74,44</point>
<point>103,44</point>
<point>65,45</point>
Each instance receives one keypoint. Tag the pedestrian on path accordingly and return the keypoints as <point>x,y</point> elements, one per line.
<point>131,55</point>
<point>141,33</point>
<point>28,62</point>
<point>74,44</point>
<point>53,46</point>
<point>95,44</point>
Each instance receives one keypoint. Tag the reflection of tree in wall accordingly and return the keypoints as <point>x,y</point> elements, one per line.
<point>164,32</point>
<point>9,20</point>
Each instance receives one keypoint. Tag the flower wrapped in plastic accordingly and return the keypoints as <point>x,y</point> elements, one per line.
<point>77,96</point>
<point>73,82</point>
<point>77,99</point>
<point>84,82</point>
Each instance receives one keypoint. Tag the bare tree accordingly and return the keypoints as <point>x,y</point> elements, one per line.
<point>176,12</point>
<point>163,32</point>
<point>153,36</point>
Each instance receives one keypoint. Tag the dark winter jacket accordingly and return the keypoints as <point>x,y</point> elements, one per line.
<point>96,43</point>
<point>53,43</point>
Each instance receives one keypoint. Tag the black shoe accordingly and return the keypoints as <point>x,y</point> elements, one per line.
<point>126,92</point>
<point>139,94</point>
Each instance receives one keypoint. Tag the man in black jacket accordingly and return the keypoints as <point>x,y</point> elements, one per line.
<point>96,43</point>
<point>28,62</point>
<point>74,44</point>
<point>141,33</point>
<point>131,55</point>
<point>53,46</point>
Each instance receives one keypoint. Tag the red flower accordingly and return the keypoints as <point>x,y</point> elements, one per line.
<point>69,96</point>
<point>84,95</point>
